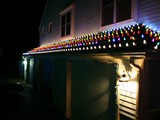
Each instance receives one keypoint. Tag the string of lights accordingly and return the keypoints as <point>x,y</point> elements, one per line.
<point>137,37</point>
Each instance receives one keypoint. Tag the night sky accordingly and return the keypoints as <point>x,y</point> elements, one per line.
<point>20,23</point>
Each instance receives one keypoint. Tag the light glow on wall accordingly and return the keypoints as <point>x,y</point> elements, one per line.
<point>129,86</point>
<point>128,75</point>
<point>25,62</point>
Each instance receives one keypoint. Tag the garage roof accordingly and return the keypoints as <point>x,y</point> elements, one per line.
<point>134,38</point>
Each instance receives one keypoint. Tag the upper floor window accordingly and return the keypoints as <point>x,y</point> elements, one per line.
<point>43,28</point>
<point>67,21</point>
<point>115,11</point>
<point>66,24</point>
<point>50,27</point>
<point>123,10</point>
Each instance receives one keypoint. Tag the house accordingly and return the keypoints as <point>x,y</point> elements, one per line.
<point>98,59</point>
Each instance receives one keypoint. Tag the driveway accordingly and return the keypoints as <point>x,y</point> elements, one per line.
<point>27,105</point>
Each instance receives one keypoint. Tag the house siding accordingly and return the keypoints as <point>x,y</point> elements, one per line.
<point>52,14</point>
<point>148,13</point>
<point>87,17</point>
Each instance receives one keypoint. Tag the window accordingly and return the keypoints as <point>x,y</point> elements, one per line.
<point>115,11</point>
<point>43,28</point>
<point>123,10</point>
<point>107,12</point>
<point>67,21</point>
<point>50,27</point>
<point>66,24</point>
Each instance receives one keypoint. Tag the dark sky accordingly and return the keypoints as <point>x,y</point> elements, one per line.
<point>20,20</point>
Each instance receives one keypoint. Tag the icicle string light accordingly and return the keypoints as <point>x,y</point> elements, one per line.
<point>129,37</point>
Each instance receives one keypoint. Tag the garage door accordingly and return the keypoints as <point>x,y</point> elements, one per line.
<point>93,91</point>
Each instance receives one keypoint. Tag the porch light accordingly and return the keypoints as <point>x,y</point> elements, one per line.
<point>25,62</point>
<point>124,77</point>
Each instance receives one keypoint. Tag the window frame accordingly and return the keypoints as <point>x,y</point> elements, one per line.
<point>115,22</point>
<point>65,12</point>
<point>43,31</point>
<point>50,27</point>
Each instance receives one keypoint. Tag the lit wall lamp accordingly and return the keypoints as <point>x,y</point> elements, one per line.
<point>124,77</point>
<point>24,61</point>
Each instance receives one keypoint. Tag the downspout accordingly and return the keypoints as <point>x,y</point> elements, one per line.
<point>132,62</point>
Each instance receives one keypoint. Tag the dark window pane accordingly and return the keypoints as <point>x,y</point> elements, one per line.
<point>68,29</point>
<point>63,31</point>
<point>107,15</point>
<point>50,28</point>
<point>68,17</point>
<point>63,20</point>
<point>123,10</point>
<point>66,24</point>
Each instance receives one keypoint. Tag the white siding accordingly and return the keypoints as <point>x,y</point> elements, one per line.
<point>51,14</point>
<point>87,17</point>
<point>148,13</point>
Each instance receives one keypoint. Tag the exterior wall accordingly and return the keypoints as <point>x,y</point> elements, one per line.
<point>93,82</point>
<point>37,75</point>
<point>40,75</point>
<point>93,91</point>
<point>85,12</point>
<point>150,97</point>
<point>59,84</point>
<point>128,87</point>
<point>26,70</point>
<point>148,13</point>
<point>31,71</point>
<point>87,19</point>
<point>153,90</point>
<point>47,76</point>
<point>52,14</point>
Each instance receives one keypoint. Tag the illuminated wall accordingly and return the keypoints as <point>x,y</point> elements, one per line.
<point>128,86</point>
